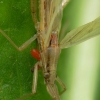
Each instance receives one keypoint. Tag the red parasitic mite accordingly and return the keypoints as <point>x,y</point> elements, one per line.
<point>36,54</point>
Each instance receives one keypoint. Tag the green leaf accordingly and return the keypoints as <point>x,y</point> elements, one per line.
<point>15,74</point>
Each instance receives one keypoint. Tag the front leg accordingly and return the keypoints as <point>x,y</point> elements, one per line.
<point>34,84</point>
<point>35,78</point>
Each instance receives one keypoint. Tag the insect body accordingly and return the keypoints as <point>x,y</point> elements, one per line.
<point>48,27</point>
<point>50,52</point>
<point>48,63</point>
<point>48,43</point>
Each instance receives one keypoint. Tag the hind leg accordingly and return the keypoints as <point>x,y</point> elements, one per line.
<point>61,84</point>
<point>23,46</point>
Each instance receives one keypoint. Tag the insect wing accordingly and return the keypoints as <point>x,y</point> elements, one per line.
<point>81,34</point>
<point>57,21</point>
<point>55,9</point>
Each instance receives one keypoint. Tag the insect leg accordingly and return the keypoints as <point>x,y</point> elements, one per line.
<point>23,46</point>
<point>34,10</point>
<point>53,91</point>
<point>34,85</point>
<point>61,84</point>
<point>35,77</point>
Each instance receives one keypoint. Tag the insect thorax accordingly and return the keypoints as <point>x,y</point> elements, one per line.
<point>49,61</point>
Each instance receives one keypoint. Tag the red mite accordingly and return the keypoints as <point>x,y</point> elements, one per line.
<point>36,54</point>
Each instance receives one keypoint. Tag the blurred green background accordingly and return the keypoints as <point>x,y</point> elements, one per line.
<point>78,66</point>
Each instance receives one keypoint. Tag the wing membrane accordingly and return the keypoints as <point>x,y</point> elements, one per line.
<point>81,34</point>
<point>57,21</point>
<point>55,10</point>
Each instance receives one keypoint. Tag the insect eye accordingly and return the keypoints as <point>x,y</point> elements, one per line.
<point>36,54</point>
